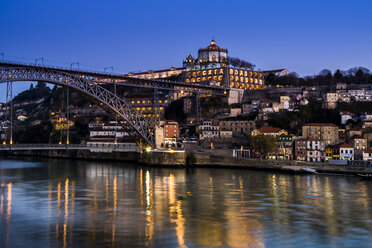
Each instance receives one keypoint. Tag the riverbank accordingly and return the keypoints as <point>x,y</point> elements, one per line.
<point>180,159</point>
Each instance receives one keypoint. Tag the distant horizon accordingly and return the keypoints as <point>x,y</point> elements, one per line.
<point>21,86</point>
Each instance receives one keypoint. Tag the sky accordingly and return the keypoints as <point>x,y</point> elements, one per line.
<point>302,36</point>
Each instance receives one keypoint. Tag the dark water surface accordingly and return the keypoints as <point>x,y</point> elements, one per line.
<point>64,203</point>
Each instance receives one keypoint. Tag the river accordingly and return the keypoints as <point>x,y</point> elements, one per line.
<point>65,203</point>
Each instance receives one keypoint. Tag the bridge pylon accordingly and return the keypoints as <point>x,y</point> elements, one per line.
<point>9,116</point>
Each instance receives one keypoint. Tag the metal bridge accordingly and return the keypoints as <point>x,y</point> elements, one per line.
<point>103,148</point>
<point>91,84</point>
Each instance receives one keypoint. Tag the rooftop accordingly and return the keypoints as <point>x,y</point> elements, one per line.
<point>345,145</point>
<point>269,129</point>
<point>213,47</point>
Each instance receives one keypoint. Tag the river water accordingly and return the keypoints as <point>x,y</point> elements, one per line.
<point>65,203</point>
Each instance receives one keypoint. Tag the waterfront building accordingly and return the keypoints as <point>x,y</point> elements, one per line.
<point>322,131</point>
<point>272,131</point>
<point>332,152</point>
<point>171,133</point>
<point>238,127</point>
<point>367,155</point>
<point>346,152</point>
<point>208,130</point>
<point>359,144</point>
<point>309,149</point>
<point>285,146</point>
<point>110,133</point>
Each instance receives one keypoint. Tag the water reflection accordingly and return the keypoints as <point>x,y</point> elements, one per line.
<point>100,204</point>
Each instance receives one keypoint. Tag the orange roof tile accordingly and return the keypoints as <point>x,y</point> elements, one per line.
<point>345,145</point>
<point>269,130</point>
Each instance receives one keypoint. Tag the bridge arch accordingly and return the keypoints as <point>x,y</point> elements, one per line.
<point>85,86</point>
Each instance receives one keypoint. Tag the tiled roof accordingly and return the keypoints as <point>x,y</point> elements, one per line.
<point>269,130</point>
<point>345,145</point>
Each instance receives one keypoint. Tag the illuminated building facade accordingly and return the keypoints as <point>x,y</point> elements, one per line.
<point>146,105</point>
<point>155,74</point>
<point>212,67</point>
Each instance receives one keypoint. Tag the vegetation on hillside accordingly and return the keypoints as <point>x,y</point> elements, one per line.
<point>34,93</point>
<point>311,113</point>
<point>356,75</point>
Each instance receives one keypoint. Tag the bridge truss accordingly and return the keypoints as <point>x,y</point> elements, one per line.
<point>91,84</point>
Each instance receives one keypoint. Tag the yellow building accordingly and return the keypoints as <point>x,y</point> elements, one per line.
<point>62,123</point>
<point>212,66</point>
<point>272,131</point>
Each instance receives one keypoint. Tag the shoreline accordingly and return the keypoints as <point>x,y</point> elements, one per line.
<point>202,160</point>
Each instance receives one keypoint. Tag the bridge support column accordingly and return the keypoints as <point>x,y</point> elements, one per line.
<point>156,107</point>
<point>9,101</point>
<point>67,115</point>
<point>197,106</point>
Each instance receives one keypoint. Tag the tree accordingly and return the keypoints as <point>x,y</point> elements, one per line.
<point>338,75</point>
<point>263,144</point>
<point>324,72</point>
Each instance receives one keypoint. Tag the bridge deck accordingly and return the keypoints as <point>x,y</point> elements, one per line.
<point>33,147</point>
<point>104,77</point>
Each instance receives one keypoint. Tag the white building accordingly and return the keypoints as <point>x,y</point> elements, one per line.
<point>330,100</point>
<point>208,130</point>
<point>315,150</point>
<point>101,133</point>
<point>367,155</point>
<point>346,152</point>
<point>345,116</point>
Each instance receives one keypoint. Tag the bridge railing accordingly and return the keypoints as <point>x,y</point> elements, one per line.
<point>65,68</point>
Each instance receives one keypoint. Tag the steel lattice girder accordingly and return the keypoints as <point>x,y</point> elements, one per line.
<point>84,85</point>
<point>104,78</point>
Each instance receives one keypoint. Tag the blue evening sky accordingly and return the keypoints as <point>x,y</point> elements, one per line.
<point>302,36</point>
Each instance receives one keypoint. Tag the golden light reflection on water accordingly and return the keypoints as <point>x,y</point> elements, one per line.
<point>175,210</point>
<point>115,196</point>
<point>149,215</point>
<point>66,214</point>
<point>202,208</point>
<point>58,211</point>
<point>8,212</point>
